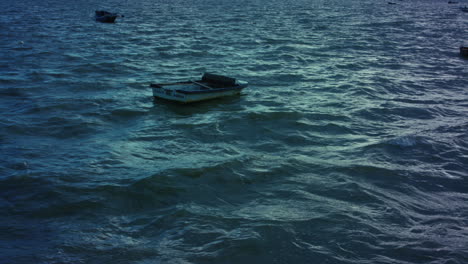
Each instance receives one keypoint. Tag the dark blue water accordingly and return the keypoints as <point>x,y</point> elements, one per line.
<point>349,146</point>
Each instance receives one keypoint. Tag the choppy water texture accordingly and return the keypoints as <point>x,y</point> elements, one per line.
<point>349,146</point>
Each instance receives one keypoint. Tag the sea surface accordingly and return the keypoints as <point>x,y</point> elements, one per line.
<point>350,144</point>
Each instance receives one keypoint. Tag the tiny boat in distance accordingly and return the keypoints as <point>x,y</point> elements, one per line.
<point>209,87</point>
<point>464,51</point>
<point>106,17</point>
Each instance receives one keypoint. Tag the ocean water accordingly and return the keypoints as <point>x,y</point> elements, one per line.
<point>350,144</point>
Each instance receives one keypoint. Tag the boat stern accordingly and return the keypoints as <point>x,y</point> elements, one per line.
<point>241,83</point>
<point>168,94</point>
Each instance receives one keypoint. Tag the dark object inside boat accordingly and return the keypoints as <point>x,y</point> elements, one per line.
<point>464,51</point>
<point>208,81</point>
<point>218,80</point>
<point>106,17</point>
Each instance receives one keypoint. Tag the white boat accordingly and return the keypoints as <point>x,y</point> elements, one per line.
<point>209,87</point>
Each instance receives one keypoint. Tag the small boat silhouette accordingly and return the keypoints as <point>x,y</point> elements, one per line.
<point>106,17</point>
<point>464,51</point>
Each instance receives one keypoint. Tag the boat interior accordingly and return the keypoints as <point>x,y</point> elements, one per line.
<point>208,81</point>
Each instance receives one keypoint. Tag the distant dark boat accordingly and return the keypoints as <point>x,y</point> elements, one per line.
<point>210,86</point>
<point>452,2</point>
<point>464,51</point>
<point>464,9</point>
<point>391,3</point>
<point>106,17</point>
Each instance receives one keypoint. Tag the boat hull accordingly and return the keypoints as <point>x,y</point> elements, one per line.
<point>190,97</point>
<point>106,19</point>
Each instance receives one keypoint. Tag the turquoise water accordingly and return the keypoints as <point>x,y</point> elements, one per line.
<point>348,146</point>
